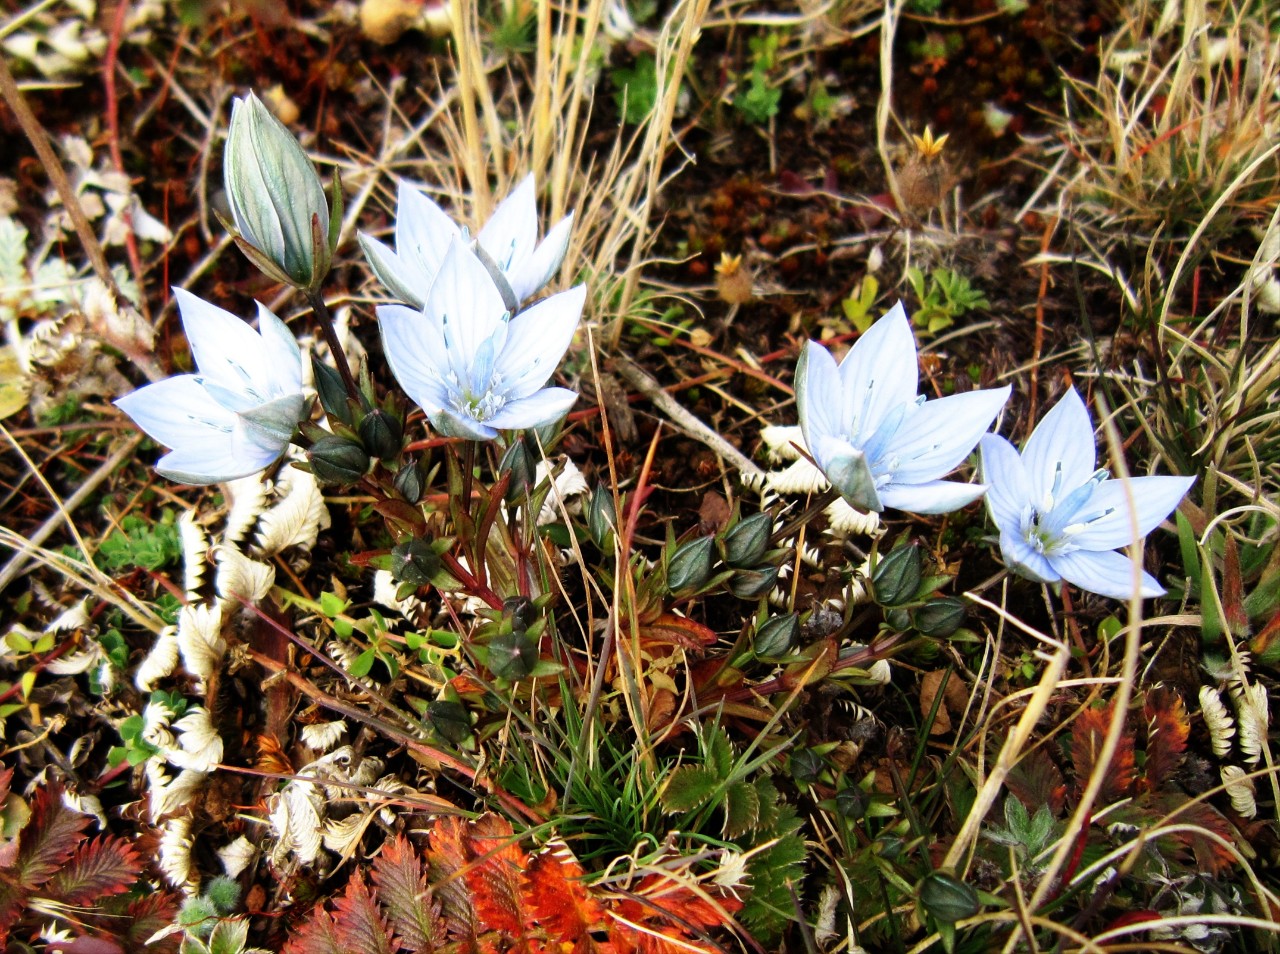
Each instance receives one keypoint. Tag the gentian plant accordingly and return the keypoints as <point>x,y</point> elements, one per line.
<point>238,413</point>
<point>508,244</point>
<point>1062,519</point>
<point>878,441</point>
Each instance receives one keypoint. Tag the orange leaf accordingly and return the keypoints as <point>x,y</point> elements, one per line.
<point>1168,726</point>
<point>494,877</point>
<point>678,631</point>
<point>664,916</point>
<point>1087,735</point>
<point>561,903</point>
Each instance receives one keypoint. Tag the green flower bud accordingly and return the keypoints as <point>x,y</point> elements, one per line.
<point>414,562</point>
<point>807,766</point>
<point>940,617</point>
<point>520,463</point>
<point>519,612</point>
<point>851,802</point>
<point>512,656</point>
<point>947,899</point>
<point>602,519</point>
<point>897,576</point>
<point>450,719</point>
<point>408,481</point>
<point>380,433</point>
<point>336,460</point>
<point>277,201</point>
<point>690,566</point>
<point>899,620</point>
<point>747,542</point>
<point>748,584</point>
<point>333,393</point>
<point>776,635</point>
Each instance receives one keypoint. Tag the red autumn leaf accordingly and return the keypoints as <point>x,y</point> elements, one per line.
<point>447,856</point>
<point>1087,735</point>
<point>1036,781</point>
<point>401,885</point>
<point>493,876</point>
<point>674,630</point>
<point>1168,726</point>
<point>360,923</point>
<point>561,903</point>
<point>663,916</point>
<point>98,869</point>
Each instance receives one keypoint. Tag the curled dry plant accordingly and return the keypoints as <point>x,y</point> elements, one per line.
<point>474,888</point>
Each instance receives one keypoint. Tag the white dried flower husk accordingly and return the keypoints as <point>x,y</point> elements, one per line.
<point>161,661</point>
<point>74,617</point>
<point>297,518</point>
<point>175,854</point>
<point>77,663</point>
<point>1252,719</point>
<point>567,484</point>
<point>801,477</point>
<point>824,928</point>
<point>248,500</point>
<point>781,441</point>
<point>323,736</point>
<point>731,872</point>
<point>240,579</point>
<point>195,547</point>
<point>341,835</point>
<point>384,594</point>
<point>844,520</point>
<point>1217,720</point>
<point>200,639</point>
<point>1240,789</point>
<point>169,794</point>
<point>236,856</point>
<point>880,672</point>
<point>85,805</point>
<point>201,745</point>
<point>297,823</point>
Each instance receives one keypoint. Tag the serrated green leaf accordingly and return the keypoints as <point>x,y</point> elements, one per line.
<point>719,754</point>
<point>689,788</point>
<point>741,810</point>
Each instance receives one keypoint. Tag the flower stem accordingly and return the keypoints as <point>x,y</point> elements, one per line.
<point>325,321</point>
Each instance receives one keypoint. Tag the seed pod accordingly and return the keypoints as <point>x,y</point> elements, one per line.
<point>947,899</point>
<point>381,434</point>
<point>414,562</point>
<point>776,635</point>
<point>748,584</point>
<point>940,617</point>
<point>409,482</point>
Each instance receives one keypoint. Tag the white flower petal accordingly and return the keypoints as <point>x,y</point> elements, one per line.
<point>415,349</point>
<point>219,458</point>
<point>933,440</point>
<point>1060,451</point>
<point>930,496</point>
<point>1107,514</point>
<point>540,267</point>
<point>280,351</point>
<point>1008,488</point>
<point>537,340</point>
<point>392,271</point>
<point>1022,558</point>
<point>540,408</point>
<point>879,373</point>
<point>423,234</point>
<point>467,305</point>
<point>178,411</point>
<point>819,397</point>
<point>1106,573</point>
<point>512,231</point>
<point>226,350</point>
<point>849,472</point>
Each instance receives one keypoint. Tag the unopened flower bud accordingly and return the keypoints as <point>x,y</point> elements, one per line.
<point>336,460</point>
<point>776,635</point>
<point>277,201</point>
<point>748,584</point>
<point>807,766</point>
<point>380,433</point>
<point>947,899</point>
<point>408,481</point>
<point>333,393</point>
<point>520,463</point>
<point>940,617</point>
<point>512,656</point>
<point>602,518</point>
<point>690,566</point>
<point>748,541</point>
<point>450,719</point>
<point>897,576</point>
<point>413,561</point>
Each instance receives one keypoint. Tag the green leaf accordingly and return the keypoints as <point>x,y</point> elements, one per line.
<point>741,809</point>
<point>689,788</point>
<point>364,662</point>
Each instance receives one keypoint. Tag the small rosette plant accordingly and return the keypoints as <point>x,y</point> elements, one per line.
<point>237,414</point>
<point>1062,519</point>
<point>878,441</point>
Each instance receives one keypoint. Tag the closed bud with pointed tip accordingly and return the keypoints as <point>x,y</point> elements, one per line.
<point>690,565</point>
<point>897,575</point>
<point>940,617</point>
<point>776,635</point>
<point>748,584</point>
<point>602,518</point>
<point>413,561</point>
<point>336,460</point>
<point>747,542</point>
<point>278,205</point>
<point>381,434</point>
<point>409,482</point>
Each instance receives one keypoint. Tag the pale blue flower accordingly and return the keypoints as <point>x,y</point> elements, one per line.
<point>1059,518</point>
<point>509,241</point>
<point>879,443</point>
<point>468,363</point>
<point>237,414</point>
<point>276,198</point>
